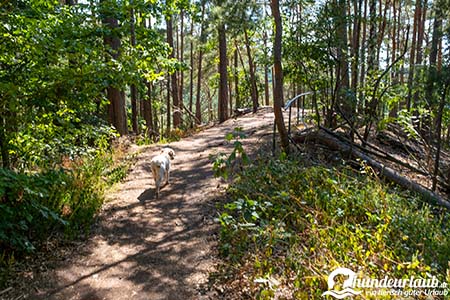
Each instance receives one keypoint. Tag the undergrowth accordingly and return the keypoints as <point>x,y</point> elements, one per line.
<point>59,202</point>
<point>289,225</point>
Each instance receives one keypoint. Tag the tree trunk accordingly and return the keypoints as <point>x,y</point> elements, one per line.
<point>394,39</point>
<point>372,63</point>
<point>266,71</point>
<point>230,97</point>
<point>173,80</point>
<point>191,71</point>
<point>251,67</point>
<point>362,60</point>
<point>148,111</point>
<point>278,90</point>
<point>393,113</point>
<point>342,55</point>
<point>439,137</point>
<point>4,145</point>
<point>181,59</point>
<point>116,107</point>
<point>223,84</point>
<point>236,79</point>
<point>432,69</point>
<point>168,107</point>
<point>198,106</point>
<point>382,26</point>
<point>133,89</point>
<point>357,4</point>
<point>419,48</point>
<point>412,55</point>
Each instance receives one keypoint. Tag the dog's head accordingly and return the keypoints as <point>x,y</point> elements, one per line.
<point>169,152</point>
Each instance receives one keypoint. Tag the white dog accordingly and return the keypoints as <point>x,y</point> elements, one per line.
<point>160,165</point>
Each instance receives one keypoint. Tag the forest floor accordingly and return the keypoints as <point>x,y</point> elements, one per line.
<point>144,248</point>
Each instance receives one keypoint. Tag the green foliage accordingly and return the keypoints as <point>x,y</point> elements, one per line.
<point>35,205</point>
<point>55,142</point>
<point>292,225</point>
<point>23,208</point>
<point>224,165</point>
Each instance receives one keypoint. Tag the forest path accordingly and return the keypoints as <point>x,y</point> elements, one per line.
<point>143,248</point>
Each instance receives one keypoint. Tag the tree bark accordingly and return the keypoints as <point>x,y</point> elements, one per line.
<point>223,84</point>
<point>278,90</point>
<point>412,55</point>
<point>198,106</point>
<point>174,79</point>
<point>266,72</point>
<point>356,44</point>
<point>181,59</point>
<point>342,55</point>
<point>116,107</point>
<point>168,106</point>
<point>191,71</point>
<point>236,79</point>
<point>133,89</point>
<point>419,48</point>
<point>4,145</point>
<point>251,67</point>
<point>433,68</point>
<point>439,137</point>
<point>362,60</point>
<point>148,111</point>
<point>382,26</point>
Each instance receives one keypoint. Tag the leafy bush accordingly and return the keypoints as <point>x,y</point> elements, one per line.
<point>27,206</point>
<point>224,165</point>
<point>34,205</point>
<point>289,225</point>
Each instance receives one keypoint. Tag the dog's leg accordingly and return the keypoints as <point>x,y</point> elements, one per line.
<point>167,176</point>
<point>168,172</point>
<point>157,183</point>
<point>156,170</point>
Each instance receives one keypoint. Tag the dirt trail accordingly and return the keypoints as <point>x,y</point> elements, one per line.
<point>143,248</point>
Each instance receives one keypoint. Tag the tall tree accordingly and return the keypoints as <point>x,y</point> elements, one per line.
<point>198,106</point>
<point>435,41</point>
<point>133,88</point>
<point>236,78</point>
<point>355,49</point>
<point>116,108</point>
<point>266,71</point>
<point>412,55</point>
<point>181,59</point>
<point>278,70</point>
<point>419,47</point>
<point>251,68</point>
<point>174,77</point>
<point>342,76</point>
<point>223,73</point>
<point>191,69</point>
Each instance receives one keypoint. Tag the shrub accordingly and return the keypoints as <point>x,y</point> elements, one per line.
<point>296,223</point>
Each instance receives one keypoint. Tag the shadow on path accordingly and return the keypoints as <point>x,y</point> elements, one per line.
<point>143,248</point>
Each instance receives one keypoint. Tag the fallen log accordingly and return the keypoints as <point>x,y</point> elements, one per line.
<point>242,111</point>
<point>384,155</point>
<point>335,144</point>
